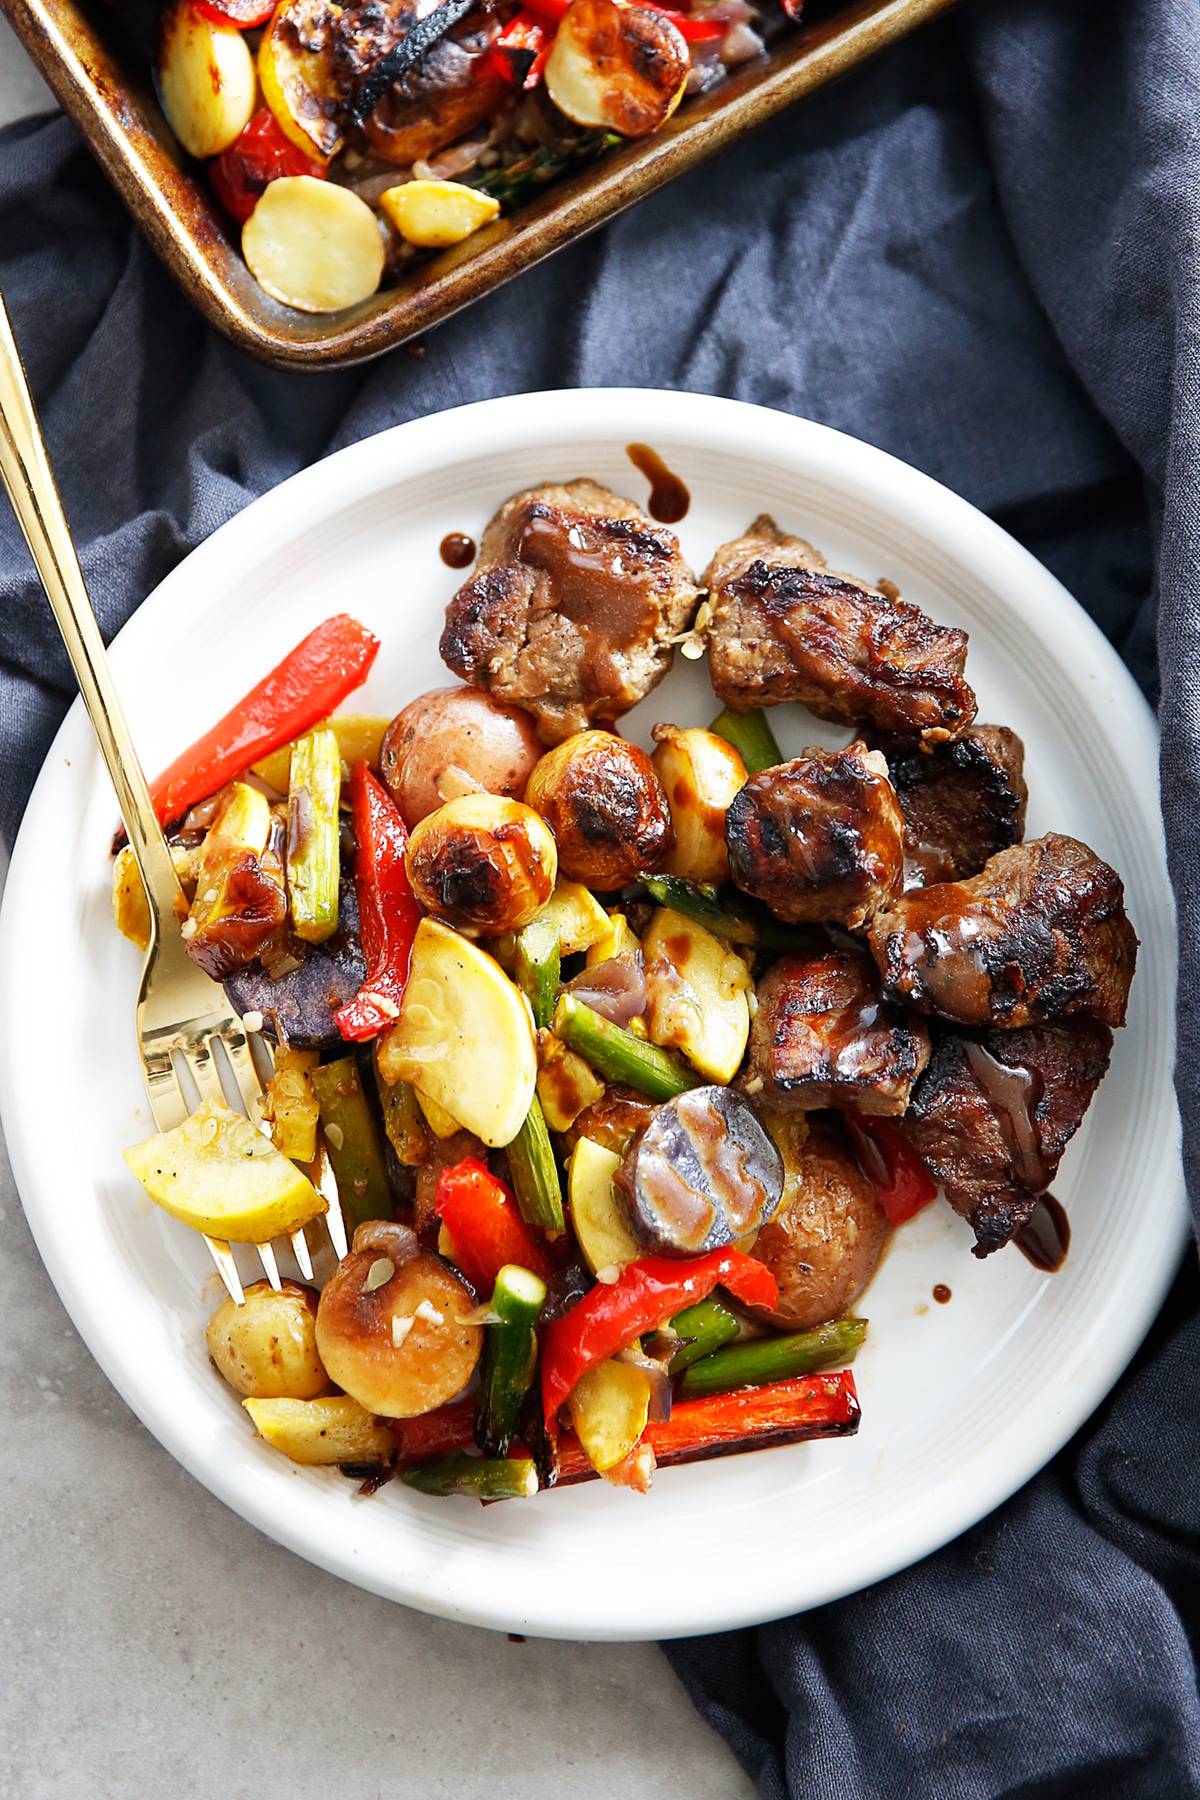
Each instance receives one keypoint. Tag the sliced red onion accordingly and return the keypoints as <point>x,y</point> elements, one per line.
<point>660,1381</point>
<point>616,989</point>
<point>395,1241</point>
<point>740,44</point>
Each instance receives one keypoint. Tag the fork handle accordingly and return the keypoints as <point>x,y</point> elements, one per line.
<point>26,473</point>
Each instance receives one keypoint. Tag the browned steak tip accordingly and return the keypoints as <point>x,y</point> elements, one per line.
<point>785,627</point>
<point>822,1036</point>
<point>962,801</point>
<point>572,610</point>
<point>819,837</point>
<point>1039,933</point>
<point>991,1116</point>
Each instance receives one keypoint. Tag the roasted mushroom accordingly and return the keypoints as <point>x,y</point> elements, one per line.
<point>825,1241</point>
<point>1039,933</point>
<point>820,837</point>
<point>784,627</point>
<point>602,799</point>
<point>392,1325</point>
<point>576,600</point>
<point>483,863</point>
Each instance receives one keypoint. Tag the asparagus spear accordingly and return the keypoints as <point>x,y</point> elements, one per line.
<point>402,1118</point>
<point>751,736</point>
<point>619,1056</point>
<point>314,828</point>
<point>527,176</point>
<point>703,1328</point>
<point>536,961</point>
<point>726,916</point>
<point>764,1360</point>
<point>509,1356</point>
<point>483,1477</point>
<point>353,1143</point>
<point>535,1173</point>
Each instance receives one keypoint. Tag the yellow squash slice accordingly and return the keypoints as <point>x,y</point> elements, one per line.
<point>334,1429</point>
<point>464,1038</point>
<point>218,1174</point>
<point>609,1408</point>
<point>598,1218</point>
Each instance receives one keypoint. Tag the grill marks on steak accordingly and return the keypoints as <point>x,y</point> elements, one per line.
<point>962,802</point>
<point>991,1116</point>
<point>823,1036</point>
<point>1039,933</point>
<point>820,837</point>
<point>786,627</point>
<point>572,610</point>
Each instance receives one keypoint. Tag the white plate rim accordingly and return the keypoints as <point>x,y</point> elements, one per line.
<point>506,423</point>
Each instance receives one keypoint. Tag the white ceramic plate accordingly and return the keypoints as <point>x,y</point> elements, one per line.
<point>962,1402</point>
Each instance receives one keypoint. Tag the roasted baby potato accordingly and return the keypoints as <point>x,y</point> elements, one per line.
<point>605,804</point>
<point>825,1242</point>
<point>206,80</point>
<point>295,67</point>
<point>619,67</point>
<point>267,1347</point>
<point>434,214</point>
<point>390,1325</point>
<point>701,773</point>
<point>318,1433</point>
<point>313,245</point>
<point>464,1036</point>
<point>484,863</point>
<point>455,741</point>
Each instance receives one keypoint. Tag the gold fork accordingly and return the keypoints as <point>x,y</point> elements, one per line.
<point>182,1016</point>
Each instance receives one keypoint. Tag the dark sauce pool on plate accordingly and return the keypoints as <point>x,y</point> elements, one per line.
<point>669,498</point>
<point>1046,1238</point>
<point>457,550</point>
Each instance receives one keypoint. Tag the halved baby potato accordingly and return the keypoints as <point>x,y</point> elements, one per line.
<point>219,1175</point>
<point>464,1037</point>
<point>701,774</point>
<point>617,66</point>
<point>295,67</point>
<point>313,245</point>
<point>267,1346</point>
<point>334,1429</point>
<point>206,80</point>
<point>437,213</point>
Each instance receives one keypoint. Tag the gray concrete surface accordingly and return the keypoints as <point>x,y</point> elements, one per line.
<point>157,1645</point>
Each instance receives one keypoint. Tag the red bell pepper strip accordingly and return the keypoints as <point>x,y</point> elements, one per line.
<point>450,1427</point>
<point>309,684</point>
<point>785,1412</point>
<point>691,29</point>
<point>243,15</point>
<point>257,157</point>
<point>645,1294</point>
<point>485,1222</point>
<point>388,913</point>
<point>519,54</point>
<point>901,1179</point>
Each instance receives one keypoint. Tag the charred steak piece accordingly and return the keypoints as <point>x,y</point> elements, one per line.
<point>991,1116</point>
<point>1039,933</point>
<point>822,1036</point>
<point>785,627</point>
<point>962,802</point>
<point>573,606</point>
<point>820,837</point>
